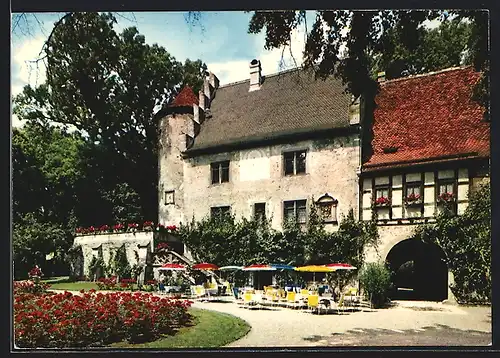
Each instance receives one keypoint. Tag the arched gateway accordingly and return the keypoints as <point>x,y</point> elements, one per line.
<point>419,271</point>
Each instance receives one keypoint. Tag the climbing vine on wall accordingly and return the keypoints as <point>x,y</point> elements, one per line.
<point>466,242</point>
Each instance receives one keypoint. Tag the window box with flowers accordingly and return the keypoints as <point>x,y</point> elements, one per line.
<point>382,202</point>
<point>118,228</point>
<point>148,226</point>
<point>413,199</point>
<point>166,229</point>
<point>133,227</point>
<point>446,198</point>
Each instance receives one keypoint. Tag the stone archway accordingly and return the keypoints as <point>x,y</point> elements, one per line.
<point>419,271</point>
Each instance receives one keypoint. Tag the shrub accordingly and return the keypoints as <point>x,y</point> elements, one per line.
<point>94,319</point>
<point>466,242</point>
<point>32,287</point>
<point>375,279</point>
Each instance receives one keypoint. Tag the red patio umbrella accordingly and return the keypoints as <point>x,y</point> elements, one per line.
<point>173,267</point>
<point>341,266</point>
<point>205,266</point>
<point>259,267</point>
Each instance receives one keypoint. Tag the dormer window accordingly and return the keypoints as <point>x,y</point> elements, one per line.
<point>327,207</point>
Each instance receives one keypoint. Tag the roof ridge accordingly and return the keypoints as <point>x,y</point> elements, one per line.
<point>265,76</point>
<point>449,69</point>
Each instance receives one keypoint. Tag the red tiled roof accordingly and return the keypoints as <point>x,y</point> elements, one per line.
<point>428,117</point>
<point>185,98</point>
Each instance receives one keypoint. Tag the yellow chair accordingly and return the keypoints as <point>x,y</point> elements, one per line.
<point>313,303</point>
<point>275,299</point>
<point>199,291</point>
<point>248,299</point>
<point>291,299</point>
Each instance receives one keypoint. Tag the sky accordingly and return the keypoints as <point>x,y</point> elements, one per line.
<point>222,42</point>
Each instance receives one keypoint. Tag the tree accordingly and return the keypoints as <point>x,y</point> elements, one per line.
<point>108,86</point>
<point>441,47</point>
<point>33,239</point>
<point>367,35</point>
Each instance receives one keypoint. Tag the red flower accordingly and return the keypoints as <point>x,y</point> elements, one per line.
<point>162,245</point>
<point>445,197</point>
<point>382,201</point>
<point>118,227</point>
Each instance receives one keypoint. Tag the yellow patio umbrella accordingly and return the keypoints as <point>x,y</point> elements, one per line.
<point>314,269</point>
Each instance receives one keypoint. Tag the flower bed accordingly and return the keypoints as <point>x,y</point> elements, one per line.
<point>93,319</point>
<point>121,228</point>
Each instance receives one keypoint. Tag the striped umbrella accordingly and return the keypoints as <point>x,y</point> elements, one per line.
<point>172,267</point>
<point>283,267</point>
<point>230,268</point>
<point>341,266</point>
<point>259,267</point>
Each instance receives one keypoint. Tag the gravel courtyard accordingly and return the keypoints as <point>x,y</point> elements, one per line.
<point>408,323</point>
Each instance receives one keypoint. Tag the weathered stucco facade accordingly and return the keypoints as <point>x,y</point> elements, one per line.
<point>256,175</point>
<point>250,127</point>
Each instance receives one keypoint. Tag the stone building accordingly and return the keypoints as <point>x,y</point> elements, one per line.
<point>270,145</point>
<point>264,146</point>
<point>429,148</point>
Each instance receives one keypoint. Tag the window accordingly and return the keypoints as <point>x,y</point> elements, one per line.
<point>169,197</point>
<point>413,194</point>
<point>295,211</point>
<point>220,172</point>
<point>382,196</point>
<point>327,207</point>
<point>295,162</point>
<point>220,210</point>
<point>259,211</point>
<point>446,194</point>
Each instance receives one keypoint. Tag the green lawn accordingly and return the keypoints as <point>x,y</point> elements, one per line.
<point>211,329</point>
<point>73,286</point>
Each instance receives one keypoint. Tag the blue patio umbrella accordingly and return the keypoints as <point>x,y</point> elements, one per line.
<point>283,267</point>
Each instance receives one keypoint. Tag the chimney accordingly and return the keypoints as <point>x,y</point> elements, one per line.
<point>354,111</point>
<point>381,77</point>
<point>202,99</point>
<point>213,80</point>
<point>255,75</point>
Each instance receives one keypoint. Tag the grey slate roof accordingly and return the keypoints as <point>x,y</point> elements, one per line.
<point>289,102</point>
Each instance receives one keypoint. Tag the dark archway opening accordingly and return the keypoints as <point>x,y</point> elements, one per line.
<point>419,271</point>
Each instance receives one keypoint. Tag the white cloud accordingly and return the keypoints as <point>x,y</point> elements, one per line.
<point>26,72</point>
<point>271,61</point>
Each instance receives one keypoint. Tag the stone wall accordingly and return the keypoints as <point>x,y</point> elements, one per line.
<point>257,176</point>
<point>93,245</point>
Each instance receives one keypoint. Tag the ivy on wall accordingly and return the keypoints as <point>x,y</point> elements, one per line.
<point>466,242</point>
<point>223,240</point>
